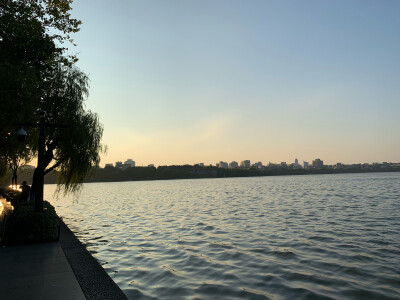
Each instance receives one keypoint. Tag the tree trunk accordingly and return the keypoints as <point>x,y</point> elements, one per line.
<point>37,188</point>
<point>14,178</point>
<point>44,159</point>
<point>37,180</point>
<point>14,169</point>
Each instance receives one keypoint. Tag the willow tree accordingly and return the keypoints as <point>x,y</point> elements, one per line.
<point>37,75</point>
<point>27,56</point>
<point>74,146</point>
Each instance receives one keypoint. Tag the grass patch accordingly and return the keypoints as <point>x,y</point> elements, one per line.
<point>26,226</point>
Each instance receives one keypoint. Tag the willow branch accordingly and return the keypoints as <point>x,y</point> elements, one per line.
<point>52,167</point>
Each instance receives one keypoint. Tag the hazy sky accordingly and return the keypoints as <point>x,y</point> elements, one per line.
<point>185,81</point>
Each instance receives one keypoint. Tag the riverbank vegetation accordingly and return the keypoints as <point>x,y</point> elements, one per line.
<point>112,174</point>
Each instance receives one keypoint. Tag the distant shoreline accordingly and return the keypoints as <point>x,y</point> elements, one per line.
<point>192,172</point>
<point>275,175</point>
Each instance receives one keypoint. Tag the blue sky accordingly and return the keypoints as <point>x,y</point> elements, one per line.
<point>179,82</point>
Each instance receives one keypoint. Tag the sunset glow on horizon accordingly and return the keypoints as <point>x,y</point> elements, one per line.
<point>184,82</point>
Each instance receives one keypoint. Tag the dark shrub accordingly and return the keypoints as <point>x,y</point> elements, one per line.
<point>27,226</point>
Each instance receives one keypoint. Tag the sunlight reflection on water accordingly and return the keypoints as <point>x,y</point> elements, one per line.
<point>266,237</point>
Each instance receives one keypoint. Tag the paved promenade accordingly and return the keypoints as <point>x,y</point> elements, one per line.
<point>37,271</point>
<point>58,270</point>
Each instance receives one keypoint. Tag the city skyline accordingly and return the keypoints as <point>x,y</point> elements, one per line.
<point>248,163</point>
<point>183,81</point>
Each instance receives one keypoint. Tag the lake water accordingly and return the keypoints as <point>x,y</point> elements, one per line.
<point>288,237</point>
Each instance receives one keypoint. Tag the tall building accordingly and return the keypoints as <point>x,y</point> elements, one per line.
<point>233,165</point>
<point>223,164</point>
<point>129,163</point>
<point>317,163</point>
<point>296,162</point>
<point>257,165</point>
<point>245,164</point>
<point>305,164</point>
<point>118,164</point>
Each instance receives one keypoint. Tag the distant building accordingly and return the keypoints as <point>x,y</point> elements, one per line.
<point>201,164</point>
<point>233,165</point>
<point>109,166</point>
<point>118,164</point>
<point>129,163</point>
<point>223,164</point>
<point>151,165</point>
<point>258,165</point>
<point>317,163</point>
<point>245,164</point>
<point>296,162</point>
<point>283,164</point>
<point>305,164</point>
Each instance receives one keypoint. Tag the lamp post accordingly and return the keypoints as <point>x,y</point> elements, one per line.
<point>21,135</point>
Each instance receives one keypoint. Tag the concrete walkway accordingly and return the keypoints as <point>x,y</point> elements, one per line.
<point>37,271</point>
<point>58,270</point>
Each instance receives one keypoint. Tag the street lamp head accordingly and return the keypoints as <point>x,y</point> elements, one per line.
<point>21,135</point>
<point>41,113</point>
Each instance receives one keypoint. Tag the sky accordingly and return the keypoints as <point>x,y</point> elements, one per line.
<point>184,82</point>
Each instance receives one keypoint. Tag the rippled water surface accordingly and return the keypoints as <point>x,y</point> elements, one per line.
<point>288,237</point>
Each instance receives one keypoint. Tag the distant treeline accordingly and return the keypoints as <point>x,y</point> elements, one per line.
<point>112,174</point>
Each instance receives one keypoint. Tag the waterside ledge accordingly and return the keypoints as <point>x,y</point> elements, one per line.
<point>93,279</point>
